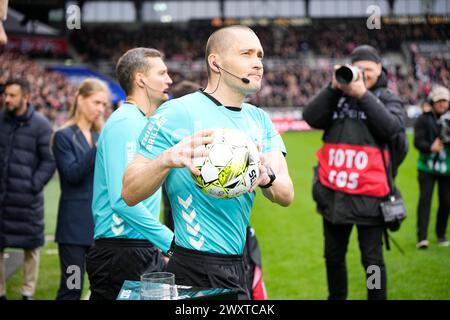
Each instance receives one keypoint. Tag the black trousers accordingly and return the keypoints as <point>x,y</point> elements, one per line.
<point>112,261</point>
<point>72,261</point>
<point>426,184</point>
<point>371,247</point>
<point>252,258</point>
<point>168,218</point>
<point>209,270</point>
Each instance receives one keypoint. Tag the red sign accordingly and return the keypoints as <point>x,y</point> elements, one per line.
<point>353,169</point>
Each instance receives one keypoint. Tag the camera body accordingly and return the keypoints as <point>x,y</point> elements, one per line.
<point>444,121</point>
<point>346,74</point>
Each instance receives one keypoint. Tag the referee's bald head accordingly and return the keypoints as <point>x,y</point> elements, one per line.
<point>220,41</point>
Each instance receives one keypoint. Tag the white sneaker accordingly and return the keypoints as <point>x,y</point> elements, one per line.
<point>422,244</point>
<point>443,243</point>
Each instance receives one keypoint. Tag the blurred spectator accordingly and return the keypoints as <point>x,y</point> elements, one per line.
<point>184,87</point>
<point>433,167</point>
<point>426,106</point>
<point>74,148</point>
<point>27,165</point>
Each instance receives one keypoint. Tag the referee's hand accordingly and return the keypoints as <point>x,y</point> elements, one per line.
<point>181,155</point>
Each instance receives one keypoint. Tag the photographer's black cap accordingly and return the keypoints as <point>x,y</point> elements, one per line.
<point>365,52</point>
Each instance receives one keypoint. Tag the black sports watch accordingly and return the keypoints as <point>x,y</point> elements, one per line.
<point>272,177</point>
<point>171,249</point>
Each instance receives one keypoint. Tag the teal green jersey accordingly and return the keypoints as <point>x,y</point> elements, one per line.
<point>113,218</point>
<point>202,222</point>
<point>435,163</point>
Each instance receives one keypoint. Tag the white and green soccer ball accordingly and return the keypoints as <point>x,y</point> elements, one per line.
<point>231,167</point>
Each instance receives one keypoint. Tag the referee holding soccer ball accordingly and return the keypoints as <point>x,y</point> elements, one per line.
<point>210,233</point>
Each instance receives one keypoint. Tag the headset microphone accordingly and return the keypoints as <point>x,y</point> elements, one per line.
<point>145,84</point>
<point>244,80</point>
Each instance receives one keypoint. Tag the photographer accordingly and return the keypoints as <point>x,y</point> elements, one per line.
<point>432,139</point>
<point>359,118</point>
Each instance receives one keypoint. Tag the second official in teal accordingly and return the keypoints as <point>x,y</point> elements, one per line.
<point>129,240</point>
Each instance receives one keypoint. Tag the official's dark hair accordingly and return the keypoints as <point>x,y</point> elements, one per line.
<point>21,82</point>
<point>183,88</point>
<point>131,62</point>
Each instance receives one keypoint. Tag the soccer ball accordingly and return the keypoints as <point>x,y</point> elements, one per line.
<point>231,167</point>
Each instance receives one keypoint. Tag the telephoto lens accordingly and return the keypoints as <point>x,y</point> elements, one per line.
<point>445,128</point>
<point>346,74</point>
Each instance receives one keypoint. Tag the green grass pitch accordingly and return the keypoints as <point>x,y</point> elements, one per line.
<point>292,243</point>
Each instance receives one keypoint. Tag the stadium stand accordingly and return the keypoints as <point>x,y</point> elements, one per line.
<point>51,93</point>
<point>298,59</point>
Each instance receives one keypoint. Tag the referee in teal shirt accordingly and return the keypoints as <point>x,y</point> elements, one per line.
<point>129,241</point>
<point>210,233</point>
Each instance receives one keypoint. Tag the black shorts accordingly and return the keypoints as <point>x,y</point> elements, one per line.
<point>209,270</point>
<point>112,261</point>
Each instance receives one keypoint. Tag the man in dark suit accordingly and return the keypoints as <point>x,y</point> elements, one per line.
<point>26,165</point>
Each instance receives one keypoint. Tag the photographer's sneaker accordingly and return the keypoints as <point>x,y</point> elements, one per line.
<point>442,242</point>
<point>422,244</point>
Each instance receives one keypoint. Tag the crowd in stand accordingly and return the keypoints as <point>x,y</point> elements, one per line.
<point>333,39</point>
<point>286,85</point>
<point>51,92</point>
<point>293,86</point>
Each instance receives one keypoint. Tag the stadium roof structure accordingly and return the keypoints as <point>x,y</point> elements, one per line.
<point>54,12</point>
<point>41,10</point>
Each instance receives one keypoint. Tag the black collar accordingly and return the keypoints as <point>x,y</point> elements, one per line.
<point>133,104</point>
<point>217,102</point>
<point>20,119</point>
